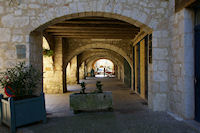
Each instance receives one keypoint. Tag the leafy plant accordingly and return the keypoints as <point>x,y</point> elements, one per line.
<point>99,87</point>
<point>48,52</point>
<point>83,88</point>
<point>21,79</point>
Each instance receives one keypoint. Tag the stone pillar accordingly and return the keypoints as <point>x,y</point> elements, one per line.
<point>82,71</point>
<point>72,71</point>
<point>122,74</point>
<point>55,78</point>
<point>35,56</point>
<point>116,71</point>
<point>85,70</point>
<point>119,74</point>
<point>89,68</point>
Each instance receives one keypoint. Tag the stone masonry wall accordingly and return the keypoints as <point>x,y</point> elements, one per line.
<point>181,94</point>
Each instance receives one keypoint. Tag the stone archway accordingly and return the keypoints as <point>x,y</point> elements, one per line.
<point>153,96</point>
<point>144,16</point>
<point>102,46</point>
<point>119,70</point>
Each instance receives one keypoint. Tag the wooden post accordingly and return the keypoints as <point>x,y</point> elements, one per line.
<point>12,115</point>
<point>1,113</point>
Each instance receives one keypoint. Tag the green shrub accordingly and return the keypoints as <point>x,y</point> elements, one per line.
<point>21,79</point>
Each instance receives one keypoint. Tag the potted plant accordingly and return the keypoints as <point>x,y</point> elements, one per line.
<point>48,52</point>
<point>91,101</point>
<point>21,107</point>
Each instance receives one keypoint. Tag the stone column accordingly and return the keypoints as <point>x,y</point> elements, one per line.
<point>82,71</point>
<point>35,55</point>
<point>55,78</point>
<point>116,71</point>
<point>72,71</point>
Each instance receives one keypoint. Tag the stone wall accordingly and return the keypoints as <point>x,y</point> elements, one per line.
<point>181,94</point>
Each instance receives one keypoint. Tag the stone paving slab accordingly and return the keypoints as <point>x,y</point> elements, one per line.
<point>130,115</point>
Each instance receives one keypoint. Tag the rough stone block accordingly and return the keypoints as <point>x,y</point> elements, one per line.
<point>160,53</point>
<point>17,22</point>
<point>5,35</point>
<point>160,76</point>
<point>1,9</point>
<point>17,38</point>
<point>160,102</point>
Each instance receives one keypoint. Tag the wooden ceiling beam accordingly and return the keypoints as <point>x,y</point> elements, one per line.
<point>95,37</point>
<point>93,18</point>
<point>92,34</point>
<point>94,22</point>
<point>91,30</point>
<point>95,25</point>
<point>94,28</point>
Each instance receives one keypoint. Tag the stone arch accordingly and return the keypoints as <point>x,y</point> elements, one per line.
<point>103,46</point>
<point>150,21</point>
<point>115,56</point>
<point>94,59</point>
<point>41,24</point>
<point>120,65</point>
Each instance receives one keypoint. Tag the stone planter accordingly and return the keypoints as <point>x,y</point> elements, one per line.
<point>91,101</point>
<point>22,112</point>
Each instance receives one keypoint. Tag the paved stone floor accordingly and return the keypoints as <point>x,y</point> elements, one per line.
<point>130,115</point>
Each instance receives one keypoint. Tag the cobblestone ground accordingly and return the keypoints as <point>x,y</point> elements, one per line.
<point>130,115</point>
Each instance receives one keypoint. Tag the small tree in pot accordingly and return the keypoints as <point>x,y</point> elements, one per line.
<point>83,88</point>
<point>99,87</point>
<point>22,107</point>
<point>20,81</point>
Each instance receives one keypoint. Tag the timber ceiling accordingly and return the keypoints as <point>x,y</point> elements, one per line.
<point>93,28</point>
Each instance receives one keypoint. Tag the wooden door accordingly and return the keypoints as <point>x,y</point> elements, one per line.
<point>142,68</point>
<point>197,73</point>
<point>137,67</point>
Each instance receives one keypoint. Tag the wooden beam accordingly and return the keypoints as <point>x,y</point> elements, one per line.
<point>95,37</point>
<point>94,22</point>
<point>180,4</point>
<point>92,34</point>
<point>96,25</point>
<point>91,30</point>
<point>93,18</point>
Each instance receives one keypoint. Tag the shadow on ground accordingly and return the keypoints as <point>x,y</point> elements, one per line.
<point>130,115</point>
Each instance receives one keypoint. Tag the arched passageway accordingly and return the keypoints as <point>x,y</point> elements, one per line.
<point>144,75</point>
<point>71,44</point>
<point>103,68</point>
<point>22,33</point>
